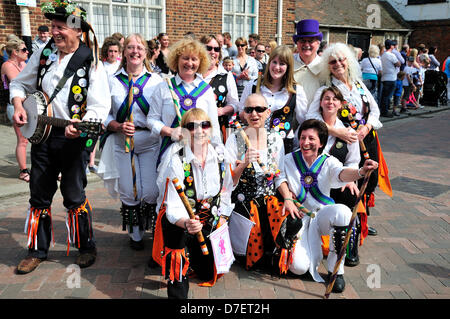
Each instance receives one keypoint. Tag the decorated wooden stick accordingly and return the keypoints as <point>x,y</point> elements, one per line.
<point>175,100</point>
<point>188,207</point>
<point>304,209</point>
<point>354,125</point>
<point>247,142</point>
<point>341,253</point>
<point>129,140</point>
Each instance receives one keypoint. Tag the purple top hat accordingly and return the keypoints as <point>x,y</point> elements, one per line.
<point>307,28</point>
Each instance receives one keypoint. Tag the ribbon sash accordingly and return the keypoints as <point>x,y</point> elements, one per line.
<point>138,96</point>
<point>309,179</point>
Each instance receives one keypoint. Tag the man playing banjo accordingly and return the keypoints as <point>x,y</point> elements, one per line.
<point>66,70</point>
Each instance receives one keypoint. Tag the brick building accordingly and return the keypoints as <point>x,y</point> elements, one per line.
<point>175,17</point>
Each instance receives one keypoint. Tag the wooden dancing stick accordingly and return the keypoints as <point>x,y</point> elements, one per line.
<point>247,142</point>
<point>129,140</point>
<point>188,207</point>
<point>341,254</point>
<point>304,209</point>
<point>355,126</point>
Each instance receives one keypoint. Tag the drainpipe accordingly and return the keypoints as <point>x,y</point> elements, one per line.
<point>25,27</point>
<point>280,22</point>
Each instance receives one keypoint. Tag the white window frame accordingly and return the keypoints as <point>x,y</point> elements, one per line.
<point>234,32</point>
<point>88,5</point>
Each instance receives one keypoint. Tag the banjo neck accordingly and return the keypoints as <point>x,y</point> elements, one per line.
<point>47,120</point>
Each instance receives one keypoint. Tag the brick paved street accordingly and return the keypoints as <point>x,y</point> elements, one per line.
<point>411,251</point>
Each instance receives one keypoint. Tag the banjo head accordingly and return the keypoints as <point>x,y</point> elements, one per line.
<point>34,105</point>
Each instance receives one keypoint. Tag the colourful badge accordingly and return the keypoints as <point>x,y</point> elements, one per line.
<point>286,109</point>
<point>46,52</point>
<point>76,116</point>
<point>287,126</point>
<point>190,192</point>
<point>89,143</point>
<point>76,89</point>
<point>75,108</point>
<point>344,113</point>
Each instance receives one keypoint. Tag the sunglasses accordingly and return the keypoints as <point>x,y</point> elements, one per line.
<point>191,126</point>
<point>258,109</point>
<point>333,62</point>
<point>24,50</point>
<point>261,51</point>
<point>241,45</point>
<point>210,48</point>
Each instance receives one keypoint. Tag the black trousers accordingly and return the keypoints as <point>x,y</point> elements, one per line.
<point>371,145</point>
<point>66,156</point>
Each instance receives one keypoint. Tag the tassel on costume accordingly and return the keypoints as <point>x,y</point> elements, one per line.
<point>32,225</point>
<point>72,224</point>
<point>175,264</point>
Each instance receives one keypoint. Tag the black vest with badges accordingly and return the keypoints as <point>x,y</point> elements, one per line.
<point>80,81</point>
<point>284,122</point>
<point>219,85</point>
<point>339,150</point>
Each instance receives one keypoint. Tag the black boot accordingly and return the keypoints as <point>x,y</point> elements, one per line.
<point>148,212</point>
<point>339,283</point>
<point>131,216</point>
<point>351,256</point>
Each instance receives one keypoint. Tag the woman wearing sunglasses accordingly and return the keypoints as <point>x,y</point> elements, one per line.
<point>340,68</point>
<point>254,170</point>
<point>127,126</point>
<point>245,66</point>
<point>331,102</point>
<point>18,54</point>
<point>186,90</point>
<point>222,82</point>
<point>201,169</point>
<point>286,99</point>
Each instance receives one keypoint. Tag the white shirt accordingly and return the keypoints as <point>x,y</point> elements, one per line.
<point>307,75</point>
<point>98,98</point>
<point>327,179</point>
<point>252,67</point>
<point>162,109</point>
<point>388,60</point>
<point>111,68</point>
<point>352,96</point>
<point>206,180</point>
<point>119,93</point>
<point>353,156</point>
<point>366,67</point>
<point>409,70</point>
<point>232,93</point>
<point>277,100</point>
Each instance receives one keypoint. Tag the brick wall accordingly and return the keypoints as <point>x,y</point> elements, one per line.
<point>10,19</point>
<point>432,33</point>
<point>268,20</point>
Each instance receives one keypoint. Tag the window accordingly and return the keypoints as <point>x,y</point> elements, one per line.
<point>240,18</point>
<point>125,16</point>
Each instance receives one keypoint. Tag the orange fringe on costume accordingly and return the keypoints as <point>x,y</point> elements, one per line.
<point>73,235</point>
<point>178,264</point>
<point>33,224</point>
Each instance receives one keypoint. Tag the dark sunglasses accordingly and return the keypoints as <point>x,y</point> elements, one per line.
<point>192,125</point>
<point>261,51</point>
<point>210,48</point>
<point>333,62</point>
<point>241,45</point>
<point>258,109</point>
<point>24,50</point>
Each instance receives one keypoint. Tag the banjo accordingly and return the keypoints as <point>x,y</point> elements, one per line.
<point>40,121</point>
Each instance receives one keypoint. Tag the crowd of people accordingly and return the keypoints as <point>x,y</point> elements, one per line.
<point>280,137</point>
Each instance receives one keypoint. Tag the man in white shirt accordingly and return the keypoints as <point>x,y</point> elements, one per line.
<point>390,63</point>
<point>41,39</point>
<point>306,62</point>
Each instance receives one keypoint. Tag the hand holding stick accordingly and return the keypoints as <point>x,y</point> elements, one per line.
<point>188,207</point>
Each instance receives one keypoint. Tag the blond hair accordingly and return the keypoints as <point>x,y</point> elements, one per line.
<point>139,38</point>
<point>188,46</point>
<point>13,44</point>
<point>194,114</point>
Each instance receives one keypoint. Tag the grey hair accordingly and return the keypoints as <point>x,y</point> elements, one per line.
<point>339,50</point>
<point>374,51</point>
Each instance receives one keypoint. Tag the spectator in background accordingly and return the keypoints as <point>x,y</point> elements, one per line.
<point>372,70</point>
<point>111,50</point>
<point>389,63</point>
<point>232,49</point>
<point>398,55</point>
<point>253,40</point>
<point>323,45</point>
<point>154,50</point>
<point>434,63</point>
<point>398,93</point>
<point>41,39</point>
<point>245,67</point>
<point>269,47</point>
<point>446,70</point>
<point>163,39</point>
<point>260,55</point>
<point>404,52</point>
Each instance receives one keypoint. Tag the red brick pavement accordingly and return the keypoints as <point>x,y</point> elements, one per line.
<point>411,251</point>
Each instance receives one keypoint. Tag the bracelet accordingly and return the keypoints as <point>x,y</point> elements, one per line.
<point>359,174</point>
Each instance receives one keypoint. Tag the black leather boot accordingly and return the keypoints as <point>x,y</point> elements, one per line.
<point>351,256</point>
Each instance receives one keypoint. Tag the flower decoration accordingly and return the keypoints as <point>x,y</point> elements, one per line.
<point>70,7</point>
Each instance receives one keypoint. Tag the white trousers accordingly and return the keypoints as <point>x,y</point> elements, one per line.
<point>308,249</point>
<point>145,156</point>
